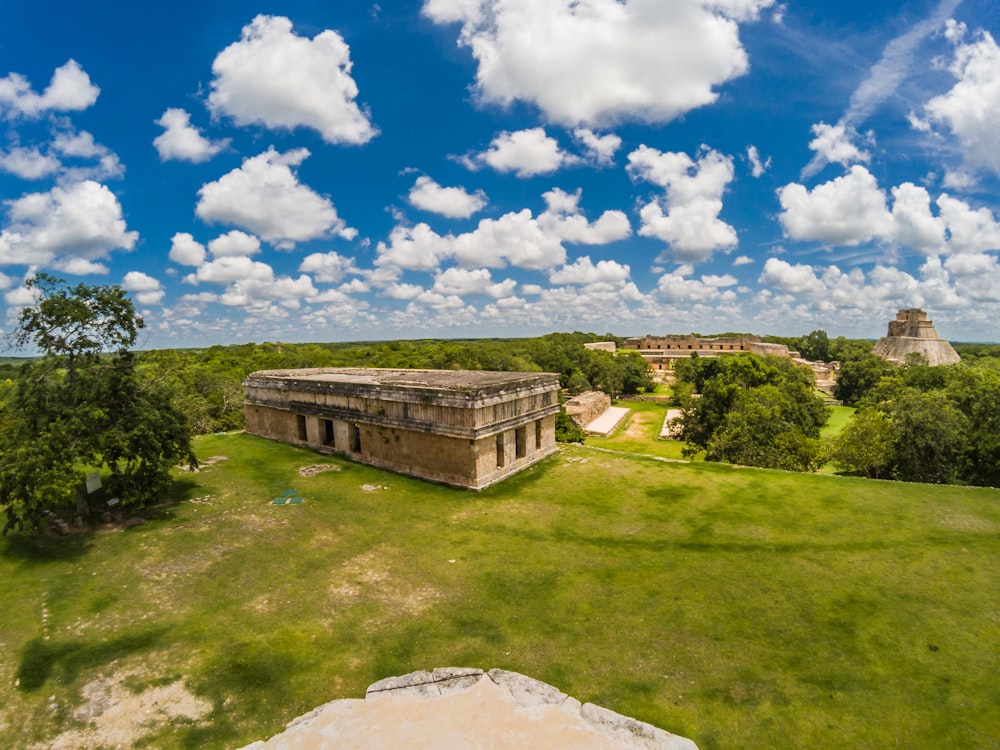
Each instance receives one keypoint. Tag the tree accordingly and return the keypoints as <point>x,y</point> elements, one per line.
<point>815,346</point>
<point>866,445</point>
<point>858,376</point>
<point>758,411</point>
<point>83,406</point>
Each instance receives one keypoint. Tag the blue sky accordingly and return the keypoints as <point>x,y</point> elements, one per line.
<point>315,171</point>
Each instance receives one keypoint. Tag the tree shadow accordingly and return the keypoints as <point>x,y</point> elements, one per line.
<point>41,659</point>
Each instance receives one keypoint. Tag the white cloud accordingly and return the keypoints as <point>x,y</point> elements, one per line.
<point>675,289</point>
<point>277,79</point>
<point>234,243</point>
<point>69,90</point>
<point>526,153</point>
<point>147,290</point>
<point>28,163</point>
<point>265,197</point>
<point>851,209</point>
<point>845,211</point>
<point>834,145</point>
<point>463,282</point>
<point>600,148</point>
<point>743,260</point>
<point>227,269</point>
<point>453,202</point>
<point>327,268</point>
<point>692,199</point>
<point>797,279</point>
<point>514,238</point>
<point>757,167</point>
<point>186,251</point>
<point>82,221</point>
<point>970,230</point>
<point>562,218</point>
<point>416,248</point>
<point>971,109</point>
<point>181,141</point>
<point>601,61</point>
<point>584,271</point>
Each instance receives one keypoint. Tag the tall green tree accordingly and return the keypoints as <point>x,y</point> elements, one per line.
<point>82,406</point>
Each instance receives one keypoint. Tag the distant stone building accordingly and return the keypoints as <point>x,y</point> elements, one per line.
<point>602,346</point>
<point>912,333</point>
<point>662,352</point>
<point>463,428</point>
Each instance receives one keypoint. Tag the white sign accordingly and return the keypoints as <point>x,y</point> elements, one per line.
<point>93,481</point>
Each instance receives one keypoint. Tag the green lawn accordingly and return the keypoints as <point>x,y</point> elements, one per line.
<point>739,607</point>
<point>640,433</point>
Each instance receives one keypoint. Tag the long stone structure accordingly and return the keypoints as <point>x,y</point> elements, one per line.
<point>912,333</point>
<point>662,352</point>
<point>458,427</point>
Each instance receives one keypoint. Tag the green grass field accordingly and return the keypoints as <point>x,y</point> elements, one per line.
<point>738,607</point>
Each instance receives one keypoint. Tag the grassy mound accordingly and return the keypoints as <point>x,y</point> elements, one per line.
<point>738,607</point>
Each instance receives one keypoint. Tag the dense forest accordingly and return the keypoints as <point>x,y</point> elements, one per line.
<point>206,383</point>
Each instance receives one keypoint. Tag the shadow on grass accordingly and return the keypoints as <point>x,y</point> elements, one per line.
<point>41,659</point>
<point>42,548</point>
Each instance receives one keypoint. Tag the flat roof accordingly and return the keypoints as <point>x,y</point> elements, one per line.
<point>401,378</point>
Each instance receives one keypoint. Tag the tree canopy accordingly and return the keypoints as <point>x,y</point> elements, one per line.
<point>82,406</point>
<point>746,409</point>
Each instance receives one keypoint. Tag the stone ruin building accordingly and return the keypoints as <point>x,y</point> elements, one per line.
<point>912,333</point>
<point>458,427</point>
<point>662,352</point>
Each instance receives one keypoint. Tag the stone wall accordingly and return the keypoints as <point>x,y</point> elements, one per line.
<point>587,407</point>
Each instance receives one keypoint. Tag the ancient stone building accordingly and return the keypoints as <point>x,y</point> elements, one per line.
<point>464,428</point>
<point>662,352</point>
<point>912,333</point>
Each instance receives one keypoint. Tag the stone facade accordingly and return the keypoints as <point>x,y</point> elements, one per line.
<point>662,352</point>
<point>912,333</point>
<point>463,428</point>
<point>587,407</point>
<point>602,346</point>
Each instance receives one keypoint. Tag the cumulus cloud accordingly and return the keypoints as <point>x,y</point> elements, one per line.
<point>453,202</point>
<point>463,282</point>
<point>883,289</point>
<point>845,211</point>
<point>584,271</point>
<point>835,145</point>
<point>852,209</point>
<point>69,90</point>
<point>600,148</point>
<point>526,153</point>
<point>265,197</point>
<point>687,215</point>
<point>28,163</point>
<point>517,239</point>
<point>602,61</point>
<point>229,269</point>
<point>327,268</point>
<point>186,251</point>
<point>674,288</point>
<point>234,243</point>
<point>180,141</point>
<point>275,78</point>
<point>146,289</point>
<point>563,218</point>
<point>81,222</point>
<point>971,109</point>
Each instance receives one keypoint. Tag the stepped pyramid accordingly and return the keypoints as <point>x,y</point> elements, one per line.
<point>911,332</point>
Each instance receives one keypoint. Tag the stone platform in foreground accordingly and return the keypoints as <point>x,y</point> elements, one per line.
<point>605,424</point>
<point>467,709</point>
